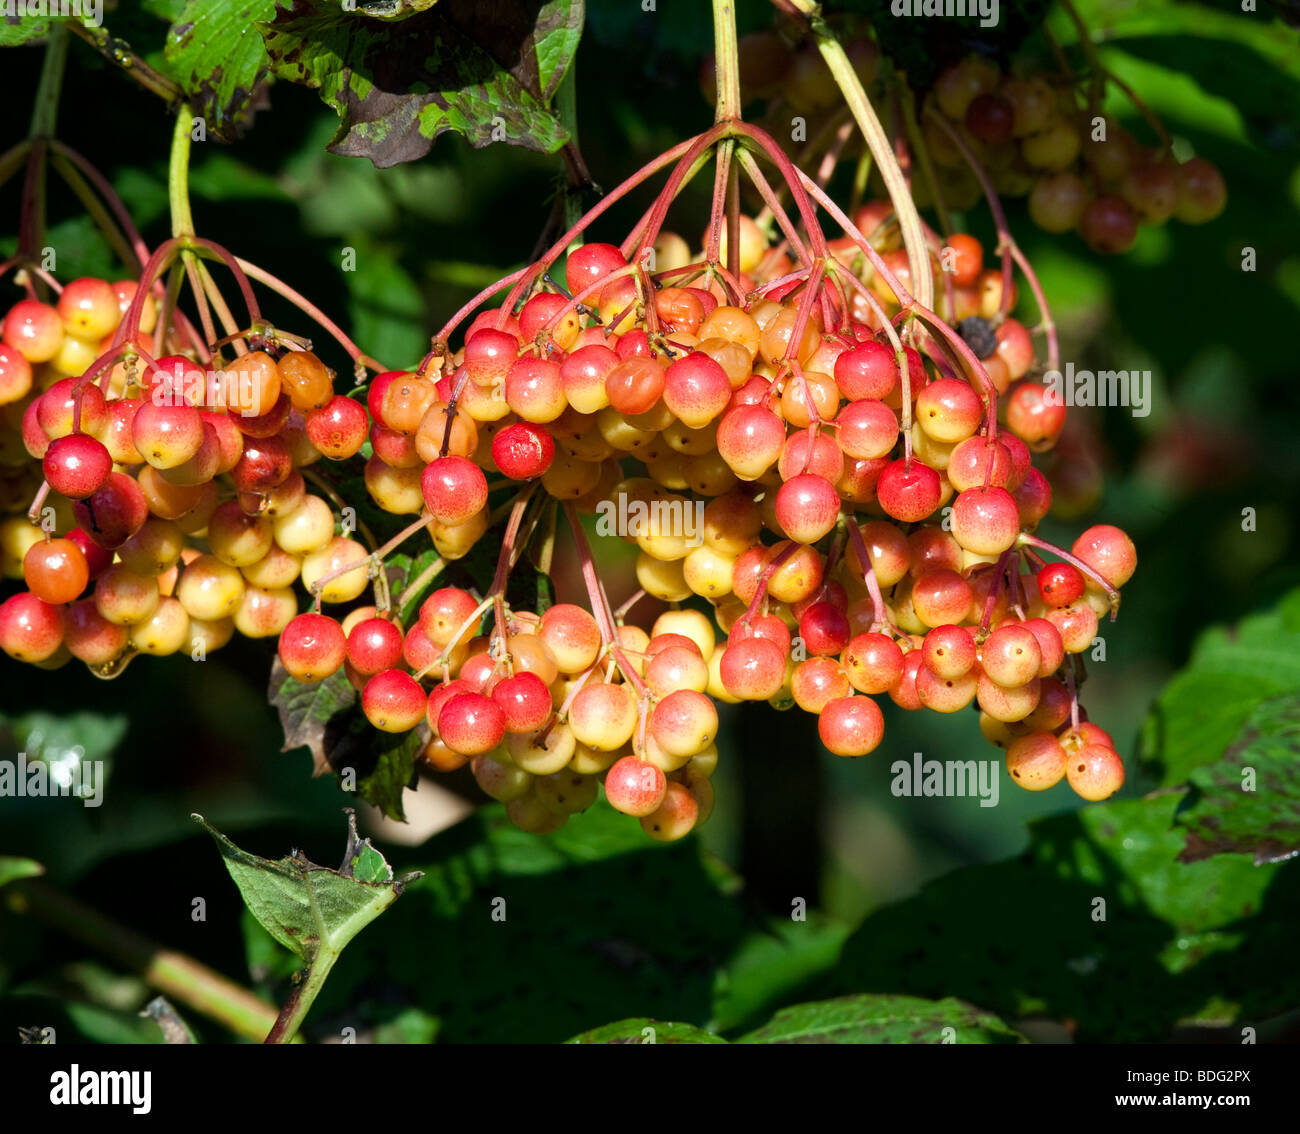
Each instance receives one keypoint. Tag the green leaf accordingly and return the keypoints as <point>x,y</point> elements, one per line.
<point>400,78</point>
<point>645,1030</point>
<point>1096,906</point>
<point>883,1019</point>
<point>771,965</point>
<point>305,907</point>
<point>214,52</point>
<point>559,27</point>
<point>1231,671</point>
<point>16,30</point>
<point>12,869</point>
<point>1221,816</point>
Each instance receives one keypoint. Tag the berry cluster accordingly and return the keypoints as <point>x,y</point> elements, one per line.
<point>1080,171</point>
<point>173,511</point>
<point>1033,134</point>
<point>836,479</point>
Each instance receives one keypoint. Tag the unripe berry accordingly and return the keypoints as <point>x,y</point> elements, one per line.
<point>675,817</point>
<point>851,726</point>
<point>635,787</point>
<point>1037,761</point>
<point>1095,772</point>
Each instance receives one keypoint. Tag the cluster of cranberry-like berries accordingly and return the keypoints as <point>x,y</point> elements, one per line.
<point>840,564</point>
<point>174,511</point>
<point>1081,172</point>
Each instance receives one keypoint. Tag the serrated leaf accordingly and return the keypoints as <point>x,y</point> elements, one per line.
<point>12,869</point>
<point>312,716</point>
<point>398,83</point>
<point>1231,671</point>
<point>645,1030</point>
<point>1220,816</point>
<point>883,1019</point>
<point>305,907</point>
<point>215,53</point>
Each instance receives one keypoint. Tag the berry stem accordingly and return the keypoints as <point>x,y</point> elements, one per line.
<point>106,191</point>
<point>879,612</point>
<point>760,182</point>
<point>1101,75</point>
<point>600,602</point>
<point>1112,592</point>
<point>308,308</point>
<point>846,78</point>
<point>1000,578</point>
<point>178,174</point>
<point>916,141</point>
<point>116,238</point>
<point>1007,246</point>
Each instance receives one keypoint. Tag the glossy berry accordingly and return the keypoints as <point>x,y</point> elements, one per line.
<point>76,465</point>
<point>523,451</point>
<point>635,787</point>
<point>374,644</point>
<point>312,647</point>
<point>454,489</point>
<point>851,726</point>
<point>393,701</point>
<point>1095,772</point>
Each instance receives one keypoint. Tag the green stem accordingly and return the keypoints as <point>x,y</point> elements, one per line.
<point>179,977</point>
<point>303,996</point>
<point>178,175</point>
<point>846,78</point>
<point>46,111</point>
<point>726,60</point>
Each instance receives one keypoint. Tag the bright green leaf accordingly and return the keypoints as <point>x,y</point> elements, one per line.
<point>12,869</point>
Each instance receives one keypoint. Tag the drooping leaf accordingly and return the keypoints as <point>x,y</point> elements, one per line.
<point>400,78</point>
<point>307,907</point>
<point>216,54</point>
<point>883,1019</point>
<point>1249,802</point>
<point>646,1031</point>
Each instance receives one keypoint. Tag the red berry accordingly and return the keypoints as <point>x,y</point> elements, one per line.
<point>909,494</point>
<point>312,647</point>
<point>524,700</point>
<point>523,451</point>
<point>454,488</point>
<point>851,726</point>
<point>634,786</point>
<point>374,644</point>
<point>76,465</point>
<point>393,701</point>
<point>1060,584</point>
<point>471,724</point>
